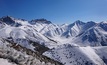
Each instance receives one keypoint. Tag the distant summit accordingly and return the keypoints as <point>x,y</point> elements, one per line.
<point>42,20</point>
<point>79,22</point>
<point>8,20</point>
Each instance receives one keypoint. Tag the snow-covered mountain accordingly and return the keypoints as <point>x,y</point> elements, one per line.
<point>78,43</point>
<point>94,36</point>
<point>90,33</point>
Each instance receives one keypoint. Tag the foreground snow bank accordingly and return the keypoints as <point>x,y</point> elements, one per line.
<point>5,62</point>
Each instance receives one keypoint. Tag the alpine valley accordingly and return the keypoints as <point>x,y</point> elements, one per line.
<point>40,42</point>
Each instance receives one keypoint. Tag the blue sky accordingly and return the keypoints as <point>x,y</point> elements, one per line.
<point>57,11</point>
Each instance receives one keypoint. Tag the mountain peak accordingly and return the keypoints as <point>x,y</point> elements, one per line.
<point>90,23</point>
<point>42,20</point>
<point>79,22</point>
<point>10,21</point>
<point>7,19</point>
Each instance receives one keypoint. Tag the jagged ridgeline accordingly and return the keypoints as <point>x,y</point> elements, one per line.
<point>41,42</point>
<point>25,50</point>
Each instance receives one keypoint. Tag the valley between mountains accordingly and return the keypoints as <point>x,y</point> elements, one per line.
<point>40,42</point>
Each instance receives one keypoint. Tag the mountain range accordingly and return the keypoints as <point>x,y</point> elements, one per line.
<point>40,42</point>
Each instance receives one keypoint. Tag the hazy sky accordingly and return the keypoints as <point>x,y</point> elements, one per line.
<point>57,11</point>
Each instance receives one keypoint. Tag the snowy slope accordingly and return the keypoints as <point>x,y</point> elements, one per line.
<point>42,30</point>
<point>102,52</point>
<point>40,35</point>
<point>94,36</point>
<point>75,55</point>
<point>5,62</point>
<point>23,34</point>
<point>19,55</point>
